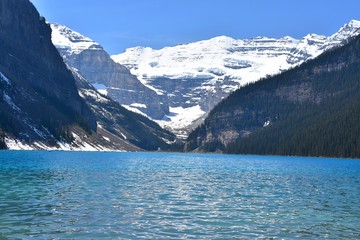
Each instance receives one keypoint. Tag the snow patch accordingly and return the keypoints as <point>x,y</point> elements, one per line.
<point>180,118</point>
<point>133,109</point>
<point>39,132</point>
<point>267,123</point>
<point>138,105</point>
<point>101,88</point>
<point>3,78</point>
<point>77,145</point>
<point>103,92</point>
<point>10,102</point>
<point>93,94</point>
<point>13,144</point>
<point>123,136</point>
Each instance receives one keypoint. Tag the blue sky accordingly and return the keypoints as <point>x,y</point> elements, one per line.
<point>120,24</point>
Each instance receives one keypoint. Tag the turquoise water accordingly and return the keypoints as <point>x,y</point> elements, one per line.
<point>64,195</point>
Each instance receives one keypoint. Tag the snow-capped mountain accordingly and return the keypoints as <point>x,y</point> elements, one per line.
<point>299,112</point>
<point>71,41</point>
<point>110,78</point>
<point>177,86</point>
<point>313,45</point>
<point>194,77</point>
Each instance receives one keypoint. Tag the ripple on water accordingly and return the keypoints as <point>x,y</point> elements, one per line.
<point>150,195</point>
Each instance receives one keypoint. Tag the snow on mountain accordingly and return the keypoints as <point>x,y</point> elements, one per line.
<point>3,78</point>
<point>312,45</point>
<point>308,47</point>
<point>209,60</point>
<point>196,76</point>
<point>348,30</point>
<point>109,78</point>
<point>74,42</point>
<point>189,79</point>
<point>181,118</point>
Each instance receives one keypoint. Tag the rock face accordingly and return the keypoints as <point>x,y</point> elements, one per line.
<point>115,122</point>
<point>96,65</point>
<point>40,105</point>
<point>38,95</point>
<point>25,46</point>
<point>203,73</point>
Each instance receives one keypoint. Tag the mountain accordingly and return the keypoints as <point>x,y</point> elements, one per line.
<point>34,81</point>
<point>310,110</point>
<point>178,86</point>
<point>40,104</point>
<point>115,122</point>
<point>113,79</point>
<point>194,77</point>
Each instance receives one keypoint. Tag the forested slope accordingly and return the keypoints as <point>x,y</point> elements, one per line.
<point>311,110</point>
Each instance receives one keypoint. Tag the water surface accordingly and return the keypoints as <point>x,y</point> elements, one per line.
<point>72,195</point>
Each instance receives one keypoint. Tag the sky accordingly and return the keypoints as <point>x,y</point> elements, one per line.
<point>121,24</point>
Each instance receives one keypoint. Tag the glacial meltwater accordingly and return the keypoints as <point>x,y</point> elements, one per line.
<point>81,195</point>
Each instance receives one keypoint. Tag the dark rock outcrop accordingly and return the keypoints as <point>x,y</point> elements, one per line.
<point>122,123</point>
<point>27,54</point>
<point>40,105</point>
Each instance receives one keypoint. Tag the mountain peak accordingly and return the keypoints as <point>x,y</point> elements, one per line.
<point>354,23</point>
<point>222,39</point>
<point>348,30</point>
<point>65,38</point>
<point>289,38</point>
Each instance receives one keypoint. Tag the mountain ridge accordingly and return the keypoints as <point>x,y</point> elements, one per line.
<point>211,69</point>
<point>190,79</point>
<point>310,110</point>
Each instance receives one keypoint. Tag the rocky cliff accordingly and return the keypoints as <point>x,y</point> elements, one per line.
<point>119,125</point>
<point>28,55</point>
<point>39,99</point>
<point>96,65</point>
<point>40,105</point>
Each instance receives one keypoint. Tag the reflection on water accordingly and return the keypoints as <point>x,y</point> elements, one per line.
<point>47,195</point>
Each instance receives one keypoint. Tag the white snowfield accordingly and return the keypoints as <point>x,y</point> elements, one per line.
<point>180,119</point>
<point>243,60</point>
<point>212,60</point>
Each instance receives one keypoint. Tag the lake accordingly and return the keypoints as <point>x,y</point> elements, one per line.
<point>83,195</point>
